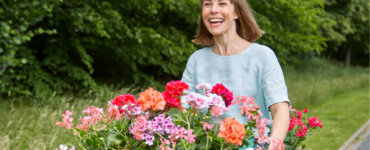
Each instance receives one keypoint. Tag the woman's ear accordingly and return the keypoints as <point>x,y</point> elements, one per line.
<point>235,16</point>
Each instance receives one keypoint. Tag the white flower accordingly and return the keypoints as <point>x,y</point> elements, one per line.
<point>215,100</point>
<point>206,86</point>
<point>63,147</point>
<point>201,101</point>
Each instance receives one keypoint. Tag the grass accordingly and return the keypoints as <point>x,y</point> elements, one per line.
<point>30,123</point>
<point>341,117</point>
<point>315,81</point>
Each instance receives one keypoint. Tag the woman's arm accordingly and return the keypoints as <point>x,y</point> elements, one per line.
<point>280,125</point>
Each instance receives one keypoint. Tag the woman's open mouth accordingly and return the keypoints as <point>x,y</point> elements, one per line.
<point>216,22</point>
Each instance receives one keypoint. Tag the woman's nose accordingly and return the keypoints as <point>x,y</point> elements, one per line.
<point>215,9</point>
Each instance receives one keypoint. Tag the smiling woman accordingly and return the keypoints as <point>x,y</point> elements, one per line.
<point>245,23</point>
<point>233,59</point>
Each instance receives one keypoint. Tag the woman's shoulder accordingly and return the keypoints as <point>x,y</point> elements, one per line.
<point>262,49</point>
<point>200,53</point>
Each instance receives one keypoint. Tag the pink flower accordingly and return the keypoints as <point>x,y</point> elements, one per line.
<point>247,110</point>
<point>291,108</point>
<point>163,144</point>
<point>113,112</point>
<point>190,137</point>
<point>60,124</point>
<point>278,144</point>
<point>67,121</point>
<point>206,86</point>
<point>305,110</point>
<point>206,125</point>
<point>149,140</point>
<point>94,113</point>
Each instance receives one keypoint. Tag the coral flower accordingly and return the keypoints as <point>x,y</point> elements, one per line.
<point>150,99</point>
<point>232,131</point>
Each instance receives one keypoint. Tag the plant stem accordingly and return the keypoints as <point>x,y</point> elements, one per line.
<point>207,141</point>
<point>216,128</point>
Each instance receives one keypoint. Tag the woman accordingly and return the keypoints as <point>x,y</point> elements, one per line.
<point>244,67</point>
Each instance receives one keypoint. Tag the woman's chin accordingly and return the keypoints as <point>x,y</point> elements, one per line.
<point>216,33</point>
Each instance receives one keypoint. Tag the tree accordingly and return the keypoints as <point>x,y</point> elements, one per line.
<point>292,27</point>
<point>66,45</point>
<point>348,35</point>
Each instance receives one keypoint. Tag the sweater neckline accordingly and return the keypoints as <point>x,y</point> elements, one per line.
<point>231,56</point>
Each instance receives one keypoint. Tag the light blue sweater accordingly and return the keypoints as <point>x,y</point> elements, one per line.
<point>255,71</point>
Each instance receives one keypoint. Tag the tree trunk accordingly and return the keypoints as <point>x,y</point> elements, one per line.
<point>348,56</point>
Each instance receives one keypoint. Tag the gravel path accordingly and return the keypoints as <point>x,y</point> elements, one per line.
<point>365,144</point>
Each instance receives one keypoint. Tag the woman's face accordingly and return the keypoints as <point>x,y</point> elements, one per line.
<point>219,16</point>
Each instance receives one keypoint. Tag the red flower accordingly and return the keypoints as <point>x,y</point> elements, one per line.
<point>174,90</point>
<point>124,100</point>
<point>305,110</point>
<point>299,114</point>
<point>314,122</point>
<point>302,131</point>
<point>221,90</point>
<point>294,122</point>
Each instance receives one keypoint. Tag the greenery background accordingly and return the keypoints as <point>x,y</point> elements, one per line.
<point>70,54</point>
<point>60,46</point>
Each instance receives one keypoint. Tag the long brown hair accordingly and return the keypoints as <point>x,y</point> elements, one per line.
<point>246,25</point>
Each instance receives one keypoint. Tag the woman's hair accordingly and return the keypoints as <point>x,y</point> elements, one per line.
<point>246,25</point>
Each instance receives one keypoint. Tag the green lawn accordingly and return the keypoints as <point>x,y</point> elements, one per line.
<point>341,117</point>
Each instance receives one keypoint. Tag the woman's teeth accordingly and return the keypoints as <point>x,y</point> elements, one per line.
<point>216,20</point>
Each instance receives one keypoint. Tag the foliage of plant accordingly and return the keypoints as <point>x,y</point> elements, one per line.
<point>291,26</point>
<point>157,121</point>
<point>348,31</point>
<point>299,128</point>
<point>62,45</point>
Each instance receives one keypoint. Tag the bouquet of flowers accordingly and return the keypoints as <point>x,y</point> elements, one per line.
<point>163,121</point>
<point>299,128</point>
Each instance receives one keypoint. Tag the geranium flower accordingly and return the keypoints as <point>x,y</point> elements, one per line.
<point>299,114</point>
<point>124,100</point>
<point>113,112</point>
<point>302,131</point>
<point>206,125</point>
<point>232,131</point>
<point>278,144</point>
<point>221,90</point>
<point>150,99</point>
<point>314,122</point>
<point>206,86</point>
<point>174,90</point>
<point>67,121</point>
<point>305,110</point>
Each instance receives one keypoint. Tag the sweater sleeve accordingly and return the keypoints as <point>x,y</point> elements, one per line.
<point>273,82</point>
<point>189,75</point>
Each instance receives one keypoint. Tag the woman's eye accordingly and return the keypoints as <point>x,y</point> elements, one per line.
<point>223,4</point>
<point>207,4</point>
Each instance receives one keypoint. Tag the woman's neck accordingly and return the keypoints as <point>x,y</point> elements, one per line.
<point>229,44</point>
